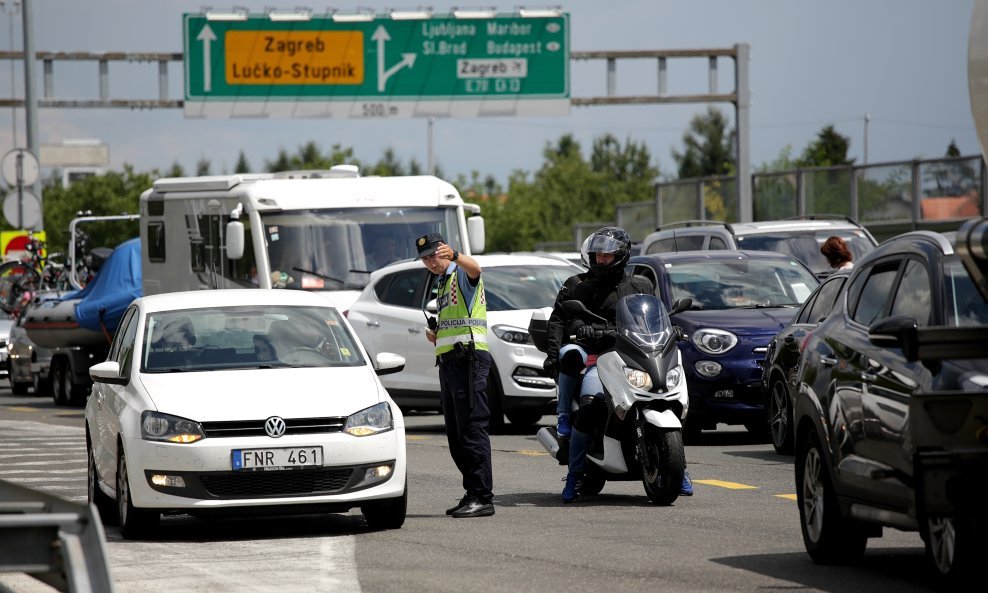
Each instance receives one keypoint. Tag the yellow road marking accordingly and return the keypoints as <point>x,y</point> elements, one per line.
<point>729,485</point>
<point>415,437</point>
<point>22,409</point>
<point>532,453</point>
<point>787,496</point>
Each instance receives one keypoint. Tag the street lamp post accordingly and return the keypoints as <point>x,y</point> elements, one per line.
<point>867,118</point>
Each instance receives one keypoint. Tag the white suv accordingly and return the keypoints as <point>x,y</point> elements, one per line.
<point>799,237</point>
<point>390,315</point>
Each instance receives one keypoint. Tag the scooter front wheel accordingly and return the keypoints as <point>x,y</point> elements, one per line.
<point>663,464</point>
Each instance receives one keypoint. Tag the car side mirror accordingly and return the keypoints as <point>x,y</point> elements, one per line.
<point>107,372</point>
<point>681,305</point>
<point>899,331</point>
<point>431,307</point>
<point>387,363</point>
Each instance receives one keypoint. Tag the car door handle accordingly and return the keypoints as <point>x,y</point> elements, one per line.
<point>373,324</point>
<point>828,360</point>
<point>414,330</point>
<point>869,377</point>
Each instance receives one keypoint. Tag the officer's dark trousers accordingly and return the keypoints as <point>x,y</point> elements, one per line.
<point>466,428</point>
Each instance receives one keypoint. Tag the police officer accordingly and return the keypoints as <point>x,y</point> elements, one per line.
<point>460,337</point>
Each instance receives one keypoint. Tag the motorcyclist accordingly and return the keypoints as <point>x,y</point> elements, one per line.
<point>605,253</point>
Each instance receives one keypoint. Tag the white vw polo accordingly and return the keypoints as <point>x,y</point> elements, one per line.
<point>229,399</point>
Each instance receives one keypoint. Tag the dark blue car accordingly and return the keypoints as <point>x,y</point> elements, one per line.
<point>741,299</point>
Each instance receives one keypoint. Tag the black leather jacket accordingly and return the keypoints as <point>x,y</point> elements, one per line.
<point>600,296</point>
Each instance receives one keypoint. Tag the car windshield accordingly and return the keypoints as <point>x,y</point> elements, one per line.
<point>509,288</point>
<point>338,248</point>
<point>247,337</point>
<point>805,245</point>
<point>965,305</point>
<point>740,283</point>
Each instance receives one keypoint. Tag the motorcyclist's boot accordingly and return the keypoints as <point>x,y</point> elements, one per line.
<point>563,426</point>
<point>687,488</point>
<point>570,493</point>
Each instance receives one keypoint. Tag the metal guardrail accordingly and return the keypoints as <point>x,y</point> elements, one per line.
<point>56,541</point>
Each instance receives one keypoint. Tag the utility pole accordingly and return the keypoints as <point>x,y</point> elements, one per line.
<point>867,119</point>
<point>31,101</point>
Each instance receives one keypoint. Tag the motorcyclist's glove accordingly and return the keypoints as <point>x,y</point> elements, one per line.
<point>551,366</point>
<point>587,332</point>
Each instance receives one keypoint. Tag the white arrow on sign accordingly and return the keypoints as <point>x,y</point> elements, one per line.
<point>381,36</point>
<point>207,37</point>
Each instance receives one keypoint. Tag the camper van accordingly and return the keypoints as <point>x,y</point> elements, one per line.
<point>307,230</point>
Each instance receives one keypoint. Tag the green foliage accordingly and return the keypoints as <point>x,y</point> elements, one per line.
<point>828,150</point>
<point>101,195</point>
<point>567,189</point>
<point>709,147</point>
<point>242,165</point>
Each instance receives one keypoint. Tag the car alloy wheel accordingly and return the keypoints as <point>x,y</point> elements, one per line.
<point>780,417</point>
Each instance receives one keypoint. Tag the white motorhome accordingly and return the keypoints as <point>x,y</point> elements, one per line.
<point>309,230</point>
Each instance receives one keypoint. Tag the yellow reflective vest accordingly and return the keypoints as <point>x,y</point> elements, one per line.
<point>457,321</point>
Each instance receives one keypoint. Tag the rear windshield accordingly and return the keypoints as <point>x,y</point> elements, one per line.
<point>805,245</point>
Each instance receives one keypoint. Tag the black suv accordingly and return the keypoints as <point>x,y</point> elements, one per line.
<point>891,414</point>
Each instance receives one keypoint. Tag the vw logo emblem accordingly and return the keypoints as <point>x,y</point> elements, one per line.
<point>274,427</point>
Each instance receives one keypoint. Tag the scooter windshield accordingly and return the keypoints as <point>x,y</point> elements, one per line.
<point>643,319</point>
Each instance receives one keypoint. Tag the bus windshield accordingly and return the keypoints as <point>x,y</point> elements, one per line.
<point>338,248</point>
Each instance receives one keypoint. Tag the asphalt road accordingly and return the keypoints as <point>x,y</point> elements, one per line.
<point>740,532</point>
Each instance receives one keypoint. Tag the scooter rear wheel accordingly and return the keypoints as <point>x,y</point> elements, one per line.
<point>664,464</point>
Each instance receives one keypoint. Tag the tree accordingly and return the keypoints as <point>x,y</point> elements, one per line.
<point>828,150</point>
<point>202,166</point>
<point>952,149</point>
<point>100,195</point>
<point>568,189</point>
<point>242,165</point>
<point>709,147</point>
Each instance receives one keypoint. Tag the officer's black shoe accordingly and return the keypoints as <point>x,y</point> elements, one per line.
<point>463,501</point>
<point>474,508</point>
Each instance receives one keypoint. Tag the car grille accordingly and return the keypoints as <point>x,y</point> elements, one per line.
<point>280,483</point>
<point>255,428</point>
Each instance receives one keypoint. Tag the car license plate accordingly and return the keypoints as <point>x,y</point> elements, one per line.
<point>283,458</point>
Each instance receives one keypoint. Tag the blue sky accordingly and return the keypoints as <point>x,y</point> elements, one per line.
<point>813,64</point>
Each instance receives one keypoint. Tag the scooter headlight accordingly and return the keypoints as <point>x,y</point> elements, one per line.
<point>673,378</point>
<point>638,379</point>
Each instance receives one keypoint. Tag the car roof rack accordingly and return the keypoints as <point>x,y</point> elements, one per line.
<point>691,223</point>
<point>843,217</point>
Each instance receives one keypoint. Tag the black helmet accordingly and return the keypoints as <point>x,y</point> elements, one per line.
<point>609,239</point>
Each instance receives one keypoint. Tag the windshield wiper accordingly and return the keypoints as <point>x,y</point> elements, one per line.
<point>317,274</point>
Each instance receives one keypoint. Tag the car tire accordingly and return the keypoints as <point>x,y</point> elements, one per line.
<point>59,388</point>
<point>19,388</point>
<point>780,417</point>
<point>388,514</point>
<point>42,387</point>
<point>829,537</point>
<point>495,402</point>
<point>134,522</point>
<point>953,547</point>
<point>96,497</point>
<point>524,418</point>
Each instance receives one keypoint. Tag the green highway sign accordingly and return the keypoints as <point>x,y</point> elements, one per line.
<point>326,66</point>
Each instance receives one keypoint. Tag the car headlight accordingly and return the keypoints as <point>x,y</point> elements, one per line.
<point>638,379</point>
<point>714,341</point>
<point>511,334</point>
<point>156,426</point>
<point>372,420</point>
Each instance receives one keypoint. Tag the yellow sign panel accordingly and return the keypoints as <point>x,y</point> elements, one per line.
<point>294,57</point>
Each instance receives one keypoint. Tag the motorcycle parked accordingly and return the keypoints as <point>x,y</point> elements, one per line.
<point>646,399</point>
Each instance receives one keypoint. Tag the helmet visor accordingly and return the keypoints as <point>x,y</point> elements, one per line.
<point>602,244</point>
